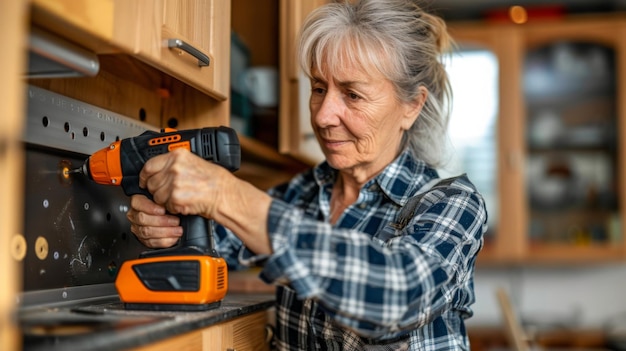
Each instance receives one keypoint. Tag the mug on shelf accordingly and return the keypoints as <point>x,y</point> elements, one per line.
<point>262,85</point>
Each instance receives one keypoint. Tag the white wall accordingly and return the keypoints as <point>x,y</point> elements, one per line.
<point>568,296</point>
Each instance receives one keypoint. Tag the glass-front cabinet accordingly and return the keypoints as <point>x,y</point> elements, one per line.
<point>559,164</point>
<point>571,180</point>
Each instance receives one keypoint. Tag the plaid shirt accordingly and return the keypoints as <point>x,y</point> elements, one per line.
<point>366,283</point>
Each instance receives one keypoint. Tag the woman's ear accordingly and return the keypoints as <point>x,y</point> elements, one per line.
<point>413,108</point>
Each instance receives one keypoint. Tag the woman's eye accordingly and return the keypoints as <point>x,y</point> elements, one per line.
<point>318,90</point>
<point>352,96</point>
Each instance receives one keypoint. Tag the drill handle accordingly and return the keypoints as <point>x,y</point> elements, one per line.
<point>197,239</point>
<point>197,233</point>
<point>130,185</point>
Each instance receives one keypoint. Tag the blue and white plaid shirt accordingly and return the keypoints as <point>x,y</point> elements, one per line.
<point>367,283</point>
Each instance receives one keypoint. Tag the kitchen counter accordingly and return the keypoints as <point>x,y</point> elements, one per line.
<point>106,325</point>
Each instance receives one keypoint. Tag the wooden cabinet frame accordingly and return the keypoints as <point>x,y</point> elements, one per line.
<point>292,132</point>
<point>505,43</point>
<point>13,62</point>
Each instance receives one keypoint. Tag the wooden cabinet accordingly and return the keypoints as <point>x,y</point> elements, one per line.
<point>187,40</point>
<point>560,166</point>
<point>245,333</point>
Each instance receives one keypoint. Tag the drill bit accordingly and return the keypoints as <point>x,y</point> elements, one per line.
<point>65,172</point>
<point>75,170</point>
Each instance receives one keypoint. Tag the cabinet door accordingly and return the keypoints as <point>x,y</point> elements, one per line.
<point>502,166</point>
<point>89,16</point>
<point>572,81</point>
<point>295,135</point>
<point>190,40</point>
<point>88,23</point>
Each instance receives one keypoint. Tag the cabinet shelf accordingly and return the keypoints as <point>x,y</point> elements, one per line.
<point>255,150</point>
<point>265,167</point>
<point>575,254</point>
<point>552,255</point>
<point>563,88</point>
<point>564,149</point>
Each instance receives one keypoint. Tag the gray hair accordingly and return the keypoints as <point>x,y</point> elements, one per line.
<point>397,38</point>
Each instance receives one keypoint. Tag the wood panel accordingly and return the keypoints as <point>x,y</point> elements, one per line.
<point>512,225</point>
<point>140,89</point>
<point>134,89</point>
<point>292,16</point>
<point>88,23</point>
<point>250,333</point>
<point>13,22</point>
<point>246,333</point>
<point>256,23</point>
<point>186,107</point>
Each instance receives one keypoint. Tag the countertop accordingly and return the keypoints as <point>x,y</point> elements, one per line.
<point>106,325</point>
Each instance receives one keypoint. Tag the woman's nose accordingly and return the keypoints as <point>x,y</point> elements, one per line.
<point>328,111</point>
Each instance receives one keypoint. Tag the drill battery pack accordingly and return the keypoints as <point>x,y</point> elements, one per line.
<point>173,283</point>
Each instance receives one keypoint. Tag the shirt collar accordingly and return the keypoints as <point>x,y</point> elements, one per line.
<point>399,181</point>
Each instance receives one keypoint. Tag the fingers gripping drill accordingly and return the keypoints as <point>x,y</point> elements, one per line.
<point>191,275</point>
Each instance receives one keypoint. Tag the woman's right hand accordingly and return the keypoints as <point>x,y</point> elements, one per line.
<point>151,224</point>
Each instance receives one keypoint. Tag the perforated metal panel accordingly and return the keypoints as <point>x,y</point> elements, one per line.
<point>75,231</point>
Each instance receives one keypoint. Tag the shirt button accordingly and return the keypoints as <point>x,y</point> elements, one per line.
<point>362,205</point>
<point>373,187</point>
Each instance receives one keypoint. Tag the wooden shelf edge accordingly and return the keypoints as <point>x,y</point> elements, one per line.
<point>260,152</point>
<point>553,255</point>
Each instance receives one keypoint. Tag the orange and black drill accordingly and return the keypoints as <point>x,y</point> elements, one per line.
<point>190,276</point>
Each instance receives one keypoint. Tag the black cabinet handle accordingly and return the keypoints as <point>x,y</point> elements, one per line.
<point>203,59</point>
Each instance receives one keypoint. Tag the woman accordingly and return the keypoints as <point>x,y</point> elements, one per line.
<point>369,249</point>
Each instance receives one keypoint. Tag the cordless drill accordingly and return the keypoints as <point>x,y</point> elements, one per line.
<point>190,276</point>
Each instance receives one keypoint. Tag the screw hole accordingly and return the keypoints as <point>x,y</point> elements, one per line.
<point>142,114</point>
<point>85,132</point>
<point>66,127</point>
<point>72,135</point>
<point>45,121</point>
<point>101,136</point>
